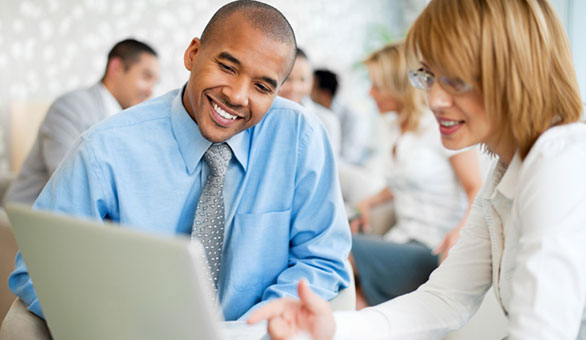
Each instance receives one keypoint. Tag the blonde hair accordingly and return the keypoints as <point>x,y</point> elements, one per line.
<point>514,52</point>
<point>388,71</point>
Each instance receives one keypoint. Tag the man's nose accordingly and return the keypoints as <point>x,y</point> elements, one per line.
<point>237,92</point>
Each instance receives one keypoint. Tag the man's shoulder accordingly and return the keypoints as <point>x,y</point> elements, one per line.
<point>148,112</point>
<point>86,94</point>
<point>285,112</point>
<point>78,107</point>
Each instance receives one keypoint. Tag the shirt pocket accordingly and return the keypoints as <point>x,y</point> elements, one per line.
<point>260,250</point>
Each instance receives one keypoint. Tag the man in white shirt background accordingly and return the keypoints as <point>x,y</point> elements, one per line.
<point>131,73</point>
<point>298,88</point>
<point>355,134</point>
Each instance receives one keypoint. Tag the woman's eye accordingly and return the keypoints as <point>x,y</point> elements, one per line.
<point>456,83</point>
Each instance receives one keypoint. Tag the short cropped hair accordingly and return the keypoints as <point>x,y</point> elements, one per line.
<point>261,16</point>
<point>129,51</point>
<point>326,80</point>
<point>388,69</point>
<point>514,52</point>
<point>300,53</point>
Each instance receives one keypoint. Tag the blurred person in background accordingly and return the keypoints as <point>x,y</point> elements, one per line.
<point>517,94</point>
<point>298,89</point>
<point>354,128</point>
<point>432,189</point>
<point>131,72</point>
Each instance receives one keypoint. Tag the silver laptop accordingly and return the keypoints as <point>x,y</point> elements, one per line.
<point>100,281</point>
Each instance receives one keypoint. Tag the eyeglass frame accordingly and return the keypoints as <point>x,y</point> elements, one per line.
<point>447,83</point>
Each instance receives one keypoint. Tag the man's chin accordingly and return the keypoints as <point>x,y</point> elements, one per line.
<point>217,137</point>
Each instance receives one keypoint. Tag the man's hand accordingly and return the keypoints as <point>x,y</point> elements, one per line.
<point>288,317</point>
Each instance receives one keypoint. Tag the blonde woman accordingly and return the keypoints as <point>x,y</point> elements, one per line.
<point>498,72</point>
<point>432,189</point>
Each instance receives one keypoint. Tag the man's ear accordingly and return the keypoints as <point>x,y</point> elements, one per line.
<point>115,67</point>
<point>190,54</point>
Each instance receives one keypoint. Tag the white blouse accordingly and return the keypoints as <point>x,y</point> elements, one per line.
<point>429,200</point>
<point>526,236</point>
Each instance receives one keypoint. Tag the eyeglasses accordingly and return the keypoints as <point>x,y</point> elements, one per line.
<point>423,80</point>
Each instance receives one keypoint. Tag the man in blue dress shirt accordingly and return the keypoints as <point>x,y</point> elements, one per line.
<point>144,168</point>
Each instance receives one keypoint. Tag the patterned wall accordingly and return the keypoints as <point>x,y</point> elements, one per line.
<point>48,47</point>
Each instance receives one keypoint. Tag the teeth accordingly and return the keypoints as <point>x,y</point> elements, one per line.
<point>222,112</point>
<point>449,123</point>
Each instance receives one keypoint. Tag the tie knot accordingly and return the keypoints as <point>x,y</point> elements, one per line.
<point>217,158</point>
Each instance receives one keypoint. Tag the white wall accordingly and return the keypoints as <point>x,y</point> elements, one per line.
<point>572,13</point>
<point>52,46</point>
<point>577,30</point>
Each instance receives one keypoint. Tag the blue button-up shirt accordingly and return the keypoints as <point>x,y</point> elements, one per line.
<point>285,219</point>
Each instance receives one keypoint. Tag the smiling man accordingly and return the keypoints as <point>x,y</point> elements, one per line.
<point>269,213</point>
<point>131,72</point>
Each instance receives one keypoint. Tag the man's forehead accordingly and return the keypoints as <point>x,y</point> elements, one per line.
<point>238,23</point>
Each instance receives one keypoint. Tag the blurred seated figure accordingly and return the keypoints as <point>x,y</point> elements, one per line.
<point>131,73</point>
<point>298,88</point>
<point>432,189</point>
<point>517,95</point>
<point>354,127</point>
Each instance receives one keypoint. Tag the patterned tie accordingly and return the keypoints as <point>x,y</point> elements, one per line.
<point>208,224</point>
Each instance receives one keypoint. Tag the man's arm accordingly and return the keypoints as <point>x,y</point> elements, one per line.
<point>21,285</point>
<point>75,189</point>
<point>319,234</point>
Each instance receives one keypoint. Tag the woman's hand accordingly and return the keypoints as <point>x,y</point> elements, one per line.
<point>288,317</point>
<point>362,220</point>
<point>449,241</point>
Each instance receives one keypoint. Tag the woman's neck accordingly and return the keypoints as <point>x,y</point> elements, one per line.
<point>505,147</point>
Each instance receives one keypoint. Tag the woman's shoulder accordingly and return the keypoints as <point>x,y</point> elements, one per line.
<point>561,139</point>
<point>558,155</point>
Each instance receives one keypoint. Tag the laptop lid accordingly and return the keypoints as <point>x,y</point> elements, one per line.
<point>100,281</point>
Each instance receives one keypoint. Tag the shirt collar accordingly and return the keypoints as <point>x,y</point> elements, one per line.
<point>193,145</point>
<point>508,184</point>
<point>111,105</point>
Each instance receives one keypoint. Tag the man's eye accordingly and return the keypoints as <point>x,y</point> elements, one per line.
<point>225,67</point>
<point>263,88</point>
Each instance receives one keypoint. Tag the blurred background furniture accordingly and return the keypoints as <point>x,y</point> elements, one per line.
<point>8,250</point>
<point>25,119</point>
<point>20,324</point>
<point>346,299</point>
<point>5,181</point>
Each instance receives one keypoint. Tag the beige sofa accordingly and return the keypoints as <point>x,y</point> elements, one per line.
<point>7,252</point>
<point>25,325</point>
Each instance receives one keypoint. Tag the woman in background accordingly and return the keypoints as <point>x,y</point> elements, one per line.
<point>432,189</point>
<point>497,72</point>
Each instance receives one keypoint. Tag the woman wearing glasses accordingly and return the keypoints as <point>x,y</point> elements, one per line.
<point>432,189</point>
<point>496,72</point>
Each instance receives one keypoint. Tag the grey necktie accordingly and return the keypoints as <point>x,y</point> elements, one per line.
<point>208,224</point>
